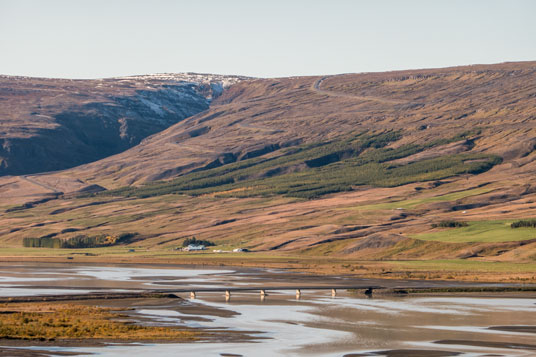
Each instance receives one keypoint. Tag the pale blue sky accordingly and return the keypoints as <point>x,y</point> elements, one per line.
<point>104,38</point>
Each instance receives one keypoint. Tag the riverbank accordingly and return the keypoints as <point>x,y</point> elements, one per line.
<point>450,270</point>
<point>30,282</point>
<point>279,323</point>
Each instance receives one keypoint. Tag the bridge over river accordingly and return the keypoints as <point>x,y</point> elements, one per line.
<point>368,289</point>
<point>194,291</point>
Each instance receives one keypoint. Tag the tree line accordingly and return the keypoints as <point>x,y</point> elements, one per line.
<point>79,241</point>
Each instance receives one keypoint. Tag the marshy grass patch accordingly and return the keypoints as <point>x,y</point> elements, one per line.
<point>480,231</point>
<point>49,322</point>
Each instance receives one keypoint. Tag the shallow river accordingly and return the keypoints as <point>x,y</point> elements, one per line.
<point>282,325</point>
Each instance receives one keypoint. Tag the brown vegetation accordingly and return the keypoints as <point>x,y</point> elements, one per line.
<point>489,109</point>
<point>49,124</point>
<point>46,322</point>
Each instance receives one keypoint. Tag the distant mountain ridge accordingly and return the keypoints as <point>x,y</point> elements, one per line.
<point>416,164</point>
<point>264,117</point>
<point>52,124</point>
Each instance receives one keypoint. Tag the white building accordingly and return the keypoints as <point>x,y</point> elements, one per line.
<point>192,248</point>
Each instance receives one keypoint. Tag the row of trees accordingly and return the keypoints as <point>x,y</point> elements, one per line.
<point>531,223</point>
<point>449,224</point>
<point>79,241</point>
<point>42,242</point>
<point>312,170</point>
<point>195,241</point>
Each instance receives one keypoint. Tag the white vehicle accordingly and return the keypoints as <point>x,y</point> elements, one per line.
<point>238,250</point>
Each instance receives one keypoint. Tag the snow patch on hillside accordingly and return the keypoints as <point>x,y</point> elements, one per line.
<point>196,78</point>
<point>153,106</point>
<point>184,85</point>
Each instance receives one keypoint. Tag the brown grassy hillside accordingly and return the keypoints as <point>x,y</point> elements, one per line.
<point>424,104</point>
<point>406,150</point>
<point>50,124</point>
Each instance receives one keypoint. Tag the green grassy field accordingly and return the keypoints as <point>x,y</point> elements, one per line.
<point>125,252</point>
<point>442,269</point>
<point>414,203</point>
<point>480,231</point>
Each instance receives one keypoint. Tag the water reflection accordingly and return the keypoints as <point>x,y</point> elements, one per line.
<point>306,323</point>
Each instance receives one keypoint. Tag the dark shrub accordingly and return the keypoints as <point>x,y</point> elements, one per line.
<point>195,241</point>
<point>449,224</point>
<point>531,223</point>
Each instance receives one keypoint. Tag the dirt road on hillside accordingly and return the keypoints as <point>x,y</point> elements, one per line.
<point>316,88</point>
<point>40,184</point>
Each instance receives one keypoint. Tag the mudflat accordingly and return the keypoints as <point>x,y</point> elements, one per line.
<point>426,318</point>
